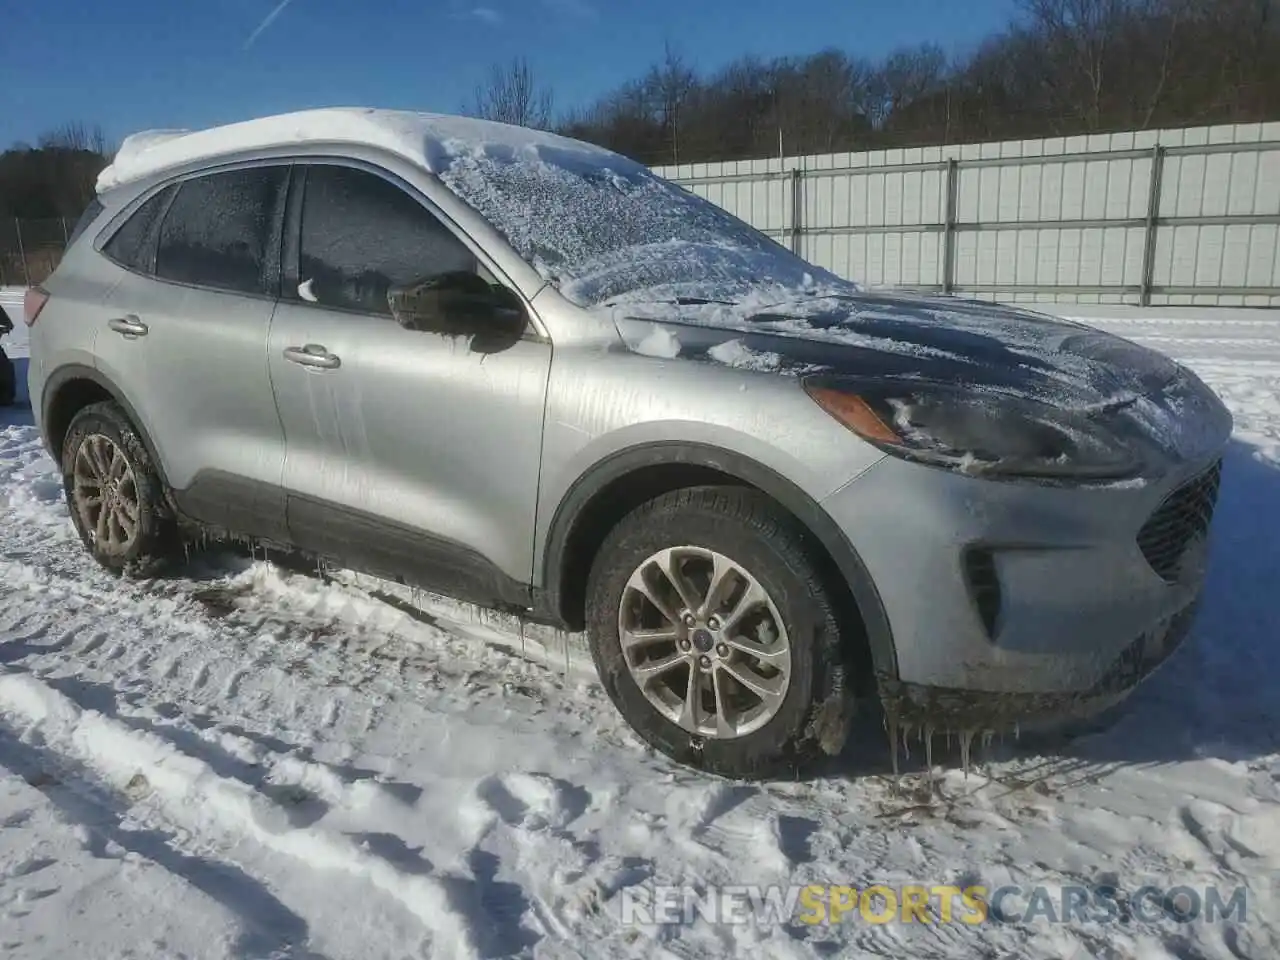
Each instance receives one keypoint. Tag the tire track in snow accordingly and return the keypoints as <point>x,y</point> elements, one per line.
<point>268,927</point>
<point>194,795</point>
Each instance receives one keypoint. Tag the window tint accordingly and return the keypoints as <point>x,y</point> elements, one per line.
<point>218,231</point>
<point>362,235</point>
<point>130,245</point>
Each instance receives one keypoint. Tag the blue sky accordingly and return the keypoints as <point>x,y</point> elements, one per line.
<point>136,64</point>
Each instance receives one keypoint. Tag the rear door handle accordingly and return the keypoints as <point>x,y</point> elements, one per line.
<point>129,326</point>
<point>312,355</point>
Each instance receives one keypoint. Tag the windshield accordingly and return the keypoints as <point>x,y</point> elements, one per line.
<point>605,230</point>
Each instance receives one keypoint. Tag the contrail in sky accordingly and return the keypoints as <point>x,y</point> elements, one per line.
<point>269,19</point>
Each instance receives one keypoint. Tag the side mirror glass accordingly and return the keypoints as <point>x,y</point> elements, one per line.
<point>458,303</point>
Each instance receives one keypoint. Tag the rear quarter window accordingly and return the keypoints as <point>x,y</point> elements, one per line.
<point>91,213</point>
<point>133,244</point>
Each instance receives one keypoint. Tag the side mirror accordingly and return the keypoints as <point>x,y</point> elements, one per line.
<point>460,304</point>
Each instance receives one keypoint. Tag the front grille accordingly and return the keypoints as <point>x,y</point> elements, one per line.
<point>1184,516</point>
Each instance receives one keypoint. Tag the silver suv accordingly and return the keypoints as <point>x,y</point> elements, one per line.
<point>526,372</point>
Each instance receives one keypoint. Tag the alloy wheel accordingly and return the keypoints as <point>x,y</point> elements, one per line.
<point>704,642</point>
<point>105,494</point>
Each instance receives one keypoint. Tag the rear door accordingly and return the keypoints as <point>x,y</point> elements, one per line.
<point>408,452</point>
<point>183,333</point>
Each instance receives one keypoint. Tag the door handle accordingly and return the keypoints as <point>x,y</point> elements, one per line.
<point>312,355</point>
<point>129,326</point>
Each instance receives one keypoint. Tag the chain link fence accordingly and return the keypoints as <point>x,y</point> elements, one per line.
<point>31,249</point>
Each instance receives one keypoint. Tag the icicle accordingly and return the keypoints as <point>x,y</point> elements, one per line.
<point>891,725</point>
<point>1017,731</point>
<point>928,752</point>
<point>966,742</point>
<point>906,745</point>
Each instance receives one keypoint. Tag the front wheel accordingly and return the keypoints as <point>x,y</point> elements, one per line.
<point>714,635</point>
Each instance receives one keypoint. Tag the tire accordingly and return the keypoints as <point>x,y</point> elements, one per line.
<point>8,380</point>
<point>766,544</point>
<point>99,431</point>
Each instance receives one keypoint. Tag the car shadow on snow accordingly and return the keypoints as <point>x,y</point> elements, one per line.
<point>1217,697</point>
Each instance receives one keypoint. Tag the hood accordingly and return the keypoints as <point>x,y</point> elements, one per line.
<point>987,348</point>
<point>973,343</point>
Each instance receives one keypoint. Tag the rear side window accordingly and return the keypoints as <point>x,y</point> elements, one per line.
<point>218,231</point>
<point>363,235</point>
<point>131,246</point>
<point>91,213</point>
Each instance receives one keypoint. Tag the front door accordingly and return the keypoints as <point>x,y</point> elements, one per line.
<point>414,454</point>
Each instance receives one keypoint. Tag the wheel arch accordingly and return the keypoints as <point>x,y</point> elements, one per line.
<point>610,489</point>
<point>69,390</point>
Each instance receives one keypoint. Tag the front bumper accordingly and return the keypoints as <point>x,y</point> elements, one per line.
<point>912,705</point>
<point>1069,606</point>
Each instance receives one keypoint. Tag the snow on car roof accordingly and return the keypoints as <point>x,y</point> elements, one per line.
<point>429,140</point>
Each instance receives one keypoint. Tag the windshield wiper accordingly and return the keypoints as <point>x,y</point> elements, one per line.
<point>682,302</point>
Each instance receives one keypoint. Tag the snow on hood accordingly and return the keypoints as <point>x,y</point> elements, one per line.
<point>988,349</point>
<point>431,141</point>
<point>926,337</point>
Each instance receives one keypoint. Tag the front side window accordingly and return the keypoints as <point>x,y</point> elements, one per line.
<point>218,231</point>
<point>362,237</point>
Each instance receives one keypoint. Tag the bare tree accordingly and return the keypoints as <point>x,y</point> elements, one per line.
<point>1080,35</point>
<point>75,135</point>
<point>511,95</point>
<point>905,77</point>
<point>669,86</point>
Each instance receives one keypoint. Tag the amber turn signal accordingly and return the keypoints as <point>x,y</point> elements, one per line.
<point>855,413</point>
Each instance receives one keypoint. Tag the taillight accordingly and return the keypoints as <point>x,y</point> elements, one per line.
<point>33,302</point>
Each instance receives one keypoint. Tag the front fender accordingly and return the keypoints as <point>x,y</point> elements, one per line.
<point>596,481</point>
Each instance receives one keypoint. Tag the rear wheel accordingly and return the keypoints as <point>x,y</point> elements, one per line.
<point>114,493</point>
<point>714,635</point>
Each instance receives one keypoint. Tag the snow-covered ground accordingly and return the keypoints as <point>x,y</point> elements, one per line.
<point>252,762</point>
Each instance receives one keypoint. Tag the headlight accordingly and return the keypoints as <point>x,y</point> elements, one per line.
<point>991,435</point>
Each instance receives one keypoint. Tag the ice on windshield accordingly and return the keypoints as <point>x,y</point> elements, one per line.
<point>601,231</point>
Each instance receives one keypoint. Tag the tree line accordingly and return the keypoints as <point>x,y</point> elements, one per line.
<point>56,177</point>
<point>1062,67</point>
